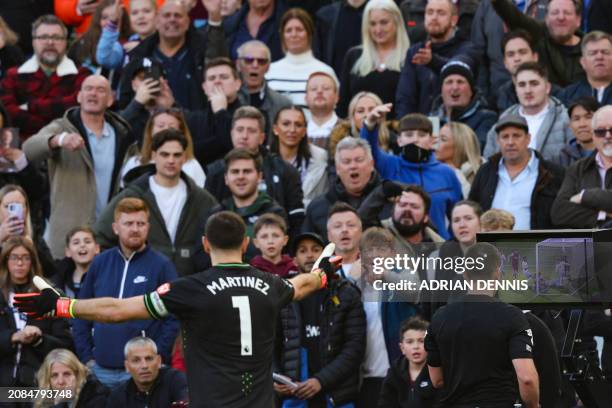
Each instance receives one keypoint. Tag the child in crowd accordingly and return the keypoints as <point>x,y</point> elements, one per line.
<point>407,383</point>
<point>496,220</point>
<point>270,232</point>
<point>81,248</point>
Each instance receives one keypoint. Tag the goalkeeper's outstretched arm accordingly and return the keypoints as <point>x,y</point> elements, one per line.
<point>110,310</point>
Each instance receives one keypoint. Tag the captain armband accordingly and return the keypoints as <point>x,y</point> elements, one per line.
<point>155,306</point>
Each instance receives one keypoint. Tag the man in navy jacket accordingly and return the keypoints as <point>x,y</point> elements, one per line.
<point>419,80</point>
<point>133,268</point>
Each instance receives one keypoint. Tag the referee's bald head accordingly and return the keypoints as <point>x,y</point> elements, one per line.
<point>486,262</point>
<point>225,230</point>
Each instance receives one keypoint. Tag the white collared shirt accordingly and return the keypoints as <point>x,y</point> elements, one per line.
<point>514,195</point>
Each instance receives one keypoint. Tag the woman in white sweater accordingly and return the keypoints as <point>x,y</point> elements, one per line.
<point>291,143</point>
<point>289,75</point>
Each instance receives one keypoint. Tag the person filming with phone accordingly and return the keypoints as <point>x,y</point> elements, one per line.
<point>17,219</point>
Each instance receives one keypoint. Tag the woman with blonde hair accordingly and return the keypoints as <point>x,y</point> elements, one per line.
<point>10,53</point>
<point>163,119</point>
<point>375,65</point>
<point>63,372</point>
<point>358,109</point>
<point>25,340</point>
<point>16,219</point>
<point>459,148</point>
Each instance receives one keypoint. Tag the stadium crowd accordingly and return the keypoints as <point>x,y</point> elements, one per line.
<point>380,126</point>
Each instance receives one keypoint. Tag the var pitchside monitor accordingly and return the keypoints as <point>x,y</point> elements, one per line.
<point>564,268</point>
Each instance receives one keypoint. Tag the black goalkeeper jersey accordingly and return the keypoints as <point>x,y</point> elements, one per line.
<point>228,315</point>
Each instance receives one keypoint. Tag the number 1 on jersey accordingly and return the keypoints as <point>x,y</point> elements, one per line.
<point>244,311</point>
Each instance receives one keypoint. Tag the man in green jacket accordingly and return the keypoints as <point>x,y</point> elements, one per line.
<point>179,208</point>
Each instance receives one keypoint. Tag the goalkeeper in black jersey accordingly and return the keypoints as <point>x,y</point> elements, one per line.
<point>228,315</point>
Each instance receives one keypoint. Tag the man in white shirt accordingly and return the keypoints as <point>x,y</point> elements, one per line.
<point>546,116</point>
<point>518,179</point>
<point>179,208</point>
<point>321,98</point>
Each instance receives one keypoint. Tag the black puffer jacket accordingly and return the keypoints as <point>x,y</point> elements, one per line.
<point>342,341</point>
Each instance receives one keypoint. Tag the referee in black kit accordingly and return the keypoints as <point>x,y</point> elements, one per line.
<point>228,317</point>
<point>479,347</point>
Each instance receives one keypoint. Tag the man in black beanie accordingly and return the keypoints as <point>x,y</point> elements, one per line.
<point>460,101</point>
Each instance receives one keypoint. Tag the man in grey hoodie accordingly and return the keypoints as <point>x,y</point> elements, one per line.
<point>545,115</point>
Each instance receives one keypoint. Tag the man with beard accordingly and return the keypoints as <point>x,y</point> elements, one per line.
<point>420,77</point>
<point>416,164</point>
<point>409,222</point>
<point>47,84</point>
<point>243,173</point>
<point>84,150</point>
<point>307,248</point>
<point>321,97</point>
<point>584,200</point>
<point>324,358</point>
<point>144,269</point>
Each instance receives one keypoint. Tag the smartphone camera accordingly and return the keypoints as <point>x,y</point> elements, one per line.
<point>16,210</point>
<point>153,72</point>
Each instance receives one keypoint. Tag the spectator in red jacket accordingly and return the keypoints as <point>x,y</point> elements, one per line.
<point>46,85</point>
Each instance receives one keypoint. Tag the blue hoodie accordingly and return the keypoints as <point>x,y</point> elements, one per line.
<point>437,179</point>
<point>112,275</point>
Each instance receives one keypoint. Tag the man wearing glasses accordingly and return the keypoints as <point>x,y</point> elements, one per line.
<point>47,84</point>
<point>585,197</point>
<point>253,63</point>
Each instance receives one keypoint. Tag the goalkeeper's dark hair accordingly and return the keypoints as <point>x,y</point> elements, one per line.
<point>490,261</point>
<point>225,230</point>
<point>35,267</point>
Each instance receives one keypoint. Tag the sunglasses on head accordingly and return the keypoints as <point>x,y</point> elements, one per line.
<point>601,132</point>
